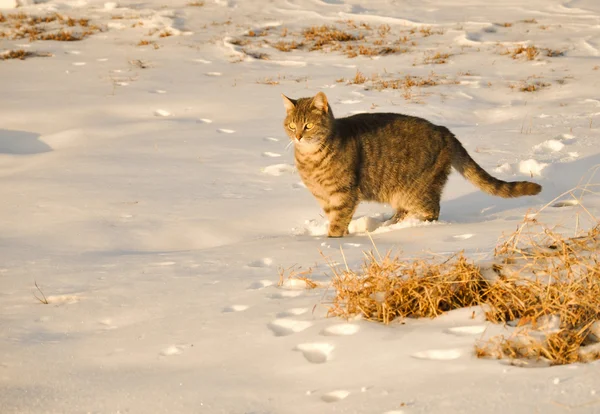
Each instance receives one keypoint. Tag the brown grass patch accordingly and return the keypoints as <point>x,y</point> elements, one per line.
<point>19,54</point>
<point>530,86</point>
<point>530,21</point>
<point>530,52</point>
<point>543,282</point>
<point>321,36</point>
<point>359,78</point>
<point>195,4</point>
<point>286,46</point>
<point>145,42</point>
<point>436,59</point>
<point>46,27</point>
<point>554,52</point>
<point>294,277</point>
<point>506,24</point>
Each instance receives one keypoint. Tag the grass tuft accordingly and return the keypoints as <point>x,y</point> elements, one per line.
<point>544,283</point>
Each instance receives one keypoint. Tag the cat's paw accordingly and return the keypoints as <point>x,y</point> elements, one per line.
<point>337,232</point>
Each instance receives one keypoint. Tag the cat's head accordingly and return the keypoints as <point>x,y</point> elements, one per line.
<point>309,120</point>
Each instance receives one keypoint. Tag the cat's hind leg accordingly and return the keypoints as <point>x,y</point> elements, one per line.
<point>428,207</point>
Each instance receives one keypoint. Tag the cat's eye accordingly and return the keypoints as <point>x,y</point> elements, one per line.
<point>310,125</point>
<point>292,126</point>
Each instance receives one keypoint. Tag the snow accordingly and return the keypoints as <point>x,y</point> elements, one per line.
<point>151,195</point>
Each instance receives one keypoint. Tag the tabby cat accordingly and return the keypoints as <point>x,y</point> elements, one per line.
<point>386,157</point>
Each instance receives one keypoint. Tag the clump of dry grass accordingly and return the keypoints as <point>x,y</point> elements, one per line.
<point>437,58</point>
<point>287,46</point>
<point>546,283</point>
<point>530,52</point>
<point>530,86</point>
<point>196,4</point>
<point>294,277</point>
<point>359,78</point>
<point>554,52</point>
<point>320,36</point>
<point>16,54</point>
<point>388,288</point>
<point>45,27</point>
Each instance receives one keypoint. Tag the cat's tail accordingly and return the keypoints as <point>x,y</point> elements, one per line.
<point>469,169</point>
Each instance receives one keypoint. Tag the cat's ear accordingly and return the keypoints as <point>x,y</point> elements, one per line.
<point>289,104</point>
<point>320,102</point>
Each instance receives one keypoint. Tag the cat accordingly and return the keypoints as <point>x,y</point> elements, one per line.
<point>385,157</point>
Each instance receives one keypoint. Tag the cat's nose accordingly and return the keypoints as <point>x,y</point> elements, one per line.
<point>298,137</point>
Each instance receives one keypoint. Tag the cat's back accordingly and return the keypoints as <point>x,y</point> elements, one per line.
<point>382,126</point>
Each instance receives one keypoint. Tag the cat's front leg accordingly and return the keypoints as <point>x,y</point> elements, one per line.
<point>340,208</point>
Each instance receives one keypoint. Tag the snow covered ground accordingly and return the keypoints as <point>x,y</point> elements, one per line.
<point>149,191</point>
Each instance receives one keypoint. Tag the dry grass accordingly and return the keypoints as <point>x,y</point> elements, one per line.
<point>294,277</point>
<point>286,46</point>
<point>545,283</point>
<point>145,42</point>
<point>436,59</point>
<point>269,81</point>
<point>387,288</point>
<point>530,86</point>
<point>359,78</point>
<point>47,27</point>
<point>16,54</point>
<point>506,24</point>
<point>196,4</point>
<point>554,52</point>
<point>530,52</point>
<point>320,36</point>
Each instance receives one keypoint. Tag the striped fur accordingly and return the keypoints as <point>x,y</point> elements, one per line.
<point>390,158</point>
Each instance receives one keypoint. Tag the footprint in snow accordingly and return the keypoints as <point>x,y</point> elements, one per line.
<point>466,330</point>
<point>225,131</point>
<point>292,312</point>
<point>264,262</point>
<point>235,308</point>
<point>438,354</point>
<point>286,294</point>
<point>162,263</point>
<point>463,236</point>
<point>261,284</point>
<point>171,350</point>
<point>340,329</point>
<point>285,327</point>
<point>278,169</point>
<point>565,203</point>
<point>549,146</point>
<point>335,396</point>
<point>162,112</point>
<point>315,352</point>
